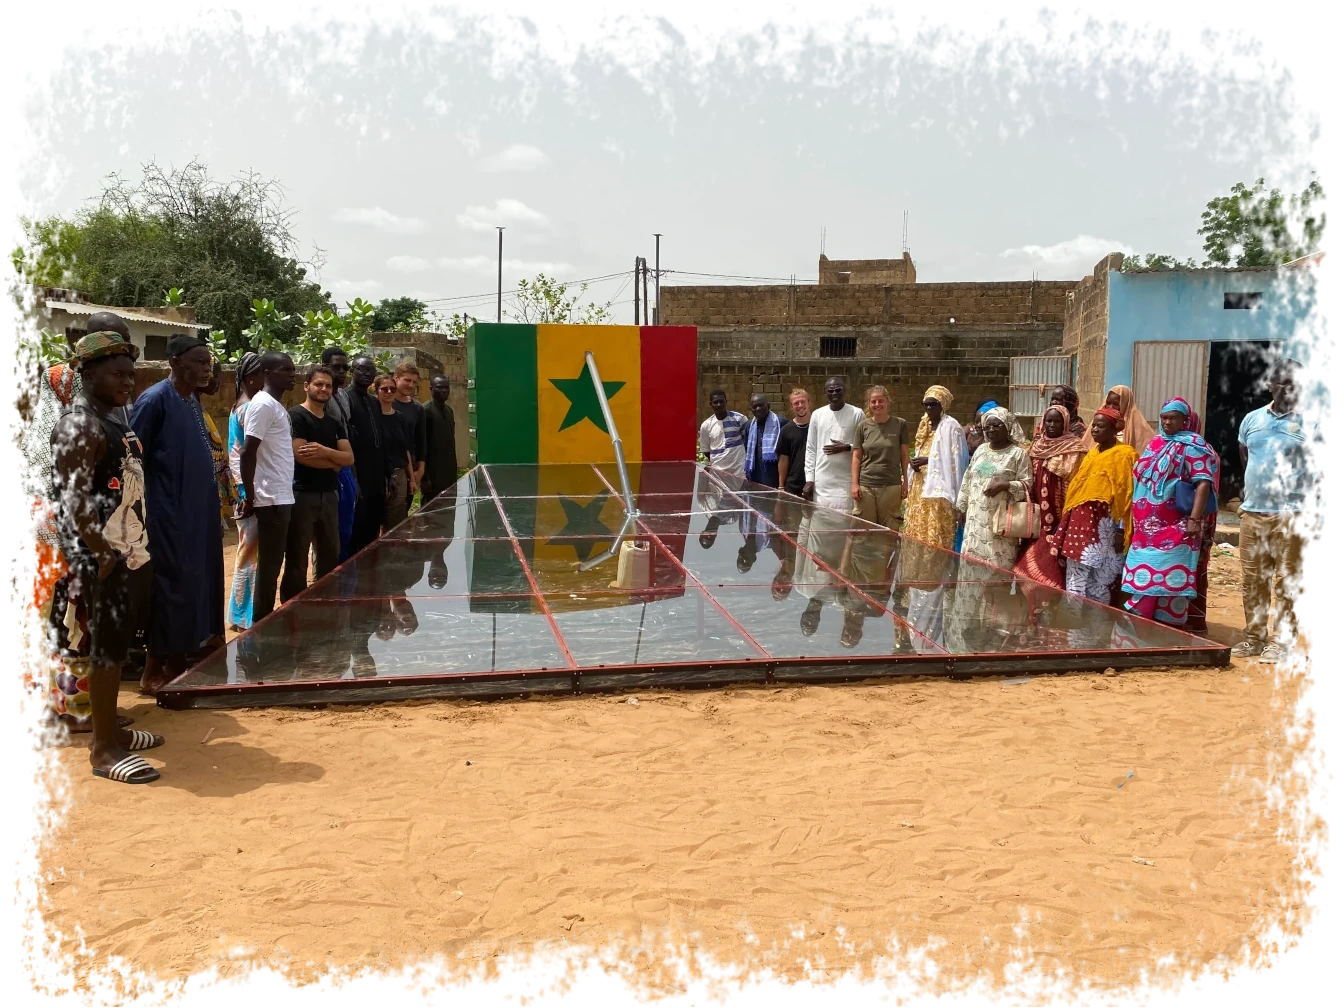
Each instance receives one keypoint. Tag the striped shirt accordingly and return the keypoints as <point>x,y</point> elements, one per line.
<point>724,443</point>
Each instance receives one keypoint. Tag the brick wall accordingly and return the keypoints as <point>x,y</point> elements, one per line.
<point>975,304</point>
<point>866,271</point>
<point>1085,324</point>
<point>972,361</point>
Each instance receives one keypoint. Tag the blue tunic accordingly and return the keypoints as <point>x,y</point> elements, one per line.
<point>182,511</point>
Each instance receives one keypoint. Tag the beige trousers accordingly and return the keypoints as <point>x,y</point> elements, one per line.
<point>1271,559</point>
<point>880,504</point>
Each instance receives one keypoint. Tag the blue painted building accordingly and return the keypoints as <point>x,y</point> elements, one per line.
<point>1208,335</point>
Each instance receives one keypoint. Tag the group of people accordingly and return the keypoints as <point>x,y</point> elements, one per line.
<point>131,501</point>
<point>1113,511</point>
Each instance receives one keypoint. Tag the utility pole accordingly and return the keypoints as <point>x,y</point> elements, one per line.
<point>657,279</point>
<point>499,292</point>
<point>636,290</point>
<point>644,268</point>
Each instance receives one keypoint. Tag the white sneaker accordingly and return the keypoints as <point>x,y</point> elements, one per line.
<point>1247,649</point>
<point>1272,653</point>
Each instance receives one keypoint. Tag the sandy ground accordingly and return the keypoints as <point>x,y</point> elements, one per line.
<point>757,826</point>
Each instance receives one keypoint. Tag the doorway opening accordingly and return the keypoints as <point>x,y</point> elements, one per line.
<point>1238,384</point>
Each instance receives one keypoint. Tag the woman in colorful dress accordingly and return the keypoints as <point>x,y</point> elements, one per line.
<point>224,481</point>
<point>247,382</point>
<point>1163,560</point>
<point>1198,620</point>
<point>1098,510</point>
<point>1055,458</point>
<point>938,462</point>
<point>998,468</point>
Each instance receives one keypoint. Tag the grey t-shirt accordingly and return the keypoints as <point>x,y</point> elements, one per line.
<point>881,444</point>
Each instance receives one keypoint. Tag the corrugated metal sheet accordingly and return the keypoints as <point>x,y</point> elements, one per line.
<point>1030,380</point>
<point>78,308</point>
<point>1164,370</point>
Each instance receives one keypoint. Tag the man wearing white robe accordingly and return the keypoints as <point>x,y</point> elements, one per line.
<point>830,440</point>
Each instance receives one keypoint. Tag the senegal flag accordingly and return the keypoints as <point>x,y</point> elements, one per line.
<point>530,397</point>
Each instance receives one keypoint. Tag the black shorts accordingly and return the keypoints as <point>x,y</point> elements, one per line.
<point>117,607</point>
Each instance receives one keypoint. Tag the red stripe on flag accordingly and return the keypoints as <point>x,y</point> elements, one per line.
<point>667,366</point>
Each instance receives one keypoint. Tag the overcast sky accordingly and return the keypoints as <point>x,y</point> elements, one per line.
<point>1031,150</point>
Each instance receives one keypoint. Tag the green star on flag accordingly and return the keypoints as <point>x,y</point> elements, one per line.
<point>583,399</point>
<point>582,520</point>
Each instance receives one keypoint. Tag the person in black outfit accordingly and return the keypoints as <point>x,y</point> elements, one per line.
<point>792,447</point>
<point>366,442</point>
<point>98,486</point>
<point>407,377</point>
<point>321,450</point>
<point>440,441</point>
<point>398,434</point>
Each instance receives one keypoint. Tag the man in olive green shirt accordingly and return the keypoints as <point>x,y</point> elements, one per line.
<point>881,460</point>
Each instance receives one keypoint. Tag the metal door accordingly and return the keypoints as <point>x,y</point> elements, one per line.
<point>1030,380</point>
<point>1164,370</point>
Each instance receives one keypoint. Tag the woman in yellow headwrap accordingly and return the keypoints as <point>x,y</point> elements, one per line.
<point>938,462</point>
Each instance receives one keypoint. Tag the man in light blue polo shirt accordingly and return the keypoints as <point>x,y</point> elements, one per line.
<point>1273,442</point>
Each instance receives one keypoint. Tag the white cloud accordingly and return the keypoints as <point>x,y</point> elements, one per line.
<point>505,213</point>
<point>407,264</point>
<point>516,157</point>
<point>380,219</point>
<point>347,290</point>
<point>488,264</point>
<point>1066,260</point>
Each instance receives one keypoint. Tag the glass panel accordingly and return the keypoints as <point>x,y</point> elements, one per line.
<point>654,477</point>
<point>474,517</point>
<point>390,637</point>
<point>814,618</point>
<point>658,630</point>
<point>545,480</point>
<point>555,565</point>
<point>458,567</point>
<point>564,515</point>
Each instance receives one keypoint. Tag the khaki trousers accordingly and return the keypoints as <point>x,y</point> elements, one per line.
<point>881,505</point>
<point>1271,558</point>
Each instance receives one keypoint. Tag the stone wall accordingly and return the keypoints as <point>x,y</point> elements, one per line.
<point>866,271</point>
<point>1086,321</point>
<point>972,361</point>
<point>926,304</point>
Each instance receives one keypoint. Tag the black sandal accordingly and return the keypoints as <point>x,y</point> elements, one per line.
<point>131,770</point>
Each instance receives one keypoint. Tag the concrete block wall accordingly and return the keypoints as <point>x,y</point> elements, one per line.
<point>972,361</point>
<point>974,304</point>
<point>1086,321</point>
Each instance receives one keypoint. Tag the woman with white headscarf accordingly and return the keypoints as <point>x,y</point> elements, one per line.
<point>936,469</point>
<point>999,472</point>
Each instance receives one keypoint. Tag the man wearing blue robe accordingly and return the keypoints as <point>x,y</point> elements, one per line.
<point>182,515</point>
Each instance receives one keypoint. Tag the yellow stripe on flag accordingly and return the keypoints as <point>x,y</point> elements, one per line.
<point>569,417</point>
<point>560,513</point>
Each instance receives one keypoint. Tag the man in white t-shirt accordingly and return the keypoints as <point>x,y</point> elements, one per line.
<point>723,436</point>
<point>830,440</point>
<point>267,464</point>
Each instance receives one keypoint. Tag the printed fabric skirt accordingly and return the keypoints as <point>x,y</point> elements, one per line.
<point>244,574</point>
<point>1162,569</point>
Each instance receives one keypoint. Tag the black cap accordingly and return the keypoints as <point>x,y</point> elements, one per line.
<point>1286,364</point>
<point>181,343</point>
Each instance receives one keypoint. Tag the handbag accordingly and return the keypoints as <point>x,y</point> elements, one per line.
<point>1185,497</point>
<point>1016,520</point>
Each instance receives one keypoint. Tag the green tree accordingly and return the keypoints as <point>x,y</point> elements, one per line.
<point>222,245</point>
<point>1251,229</point>
<point>545,300</point>
<point>1155,262</point>
<point>392,312</point>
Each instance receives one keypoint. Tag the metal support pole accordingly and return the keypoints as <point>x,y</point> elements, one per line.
<point>630,509</point>
<point>657,279</point>
<point>499,295</point>
<point>636,290</point>
<point>644,268</point>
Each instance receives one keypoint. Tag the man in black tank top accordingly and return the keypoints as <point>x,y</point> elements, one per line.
<point>98,483</point>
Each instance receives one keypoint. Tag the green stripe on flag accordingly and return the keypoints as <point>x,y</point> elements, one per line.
<point>502,369</point>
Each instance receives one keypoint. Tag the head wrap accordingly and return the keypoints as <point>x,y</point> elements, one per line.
<point>1114,416</point>
<point>246,368</point>
<point>1285,364</point>
<point>988,404</point>
<point>940,393</point>
<point>1000,414</point>
<point>1138,431</point>
<point>182,342</point>
<point>1177,405</point>
<point>104,343</point>
<point>1067,443</point>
